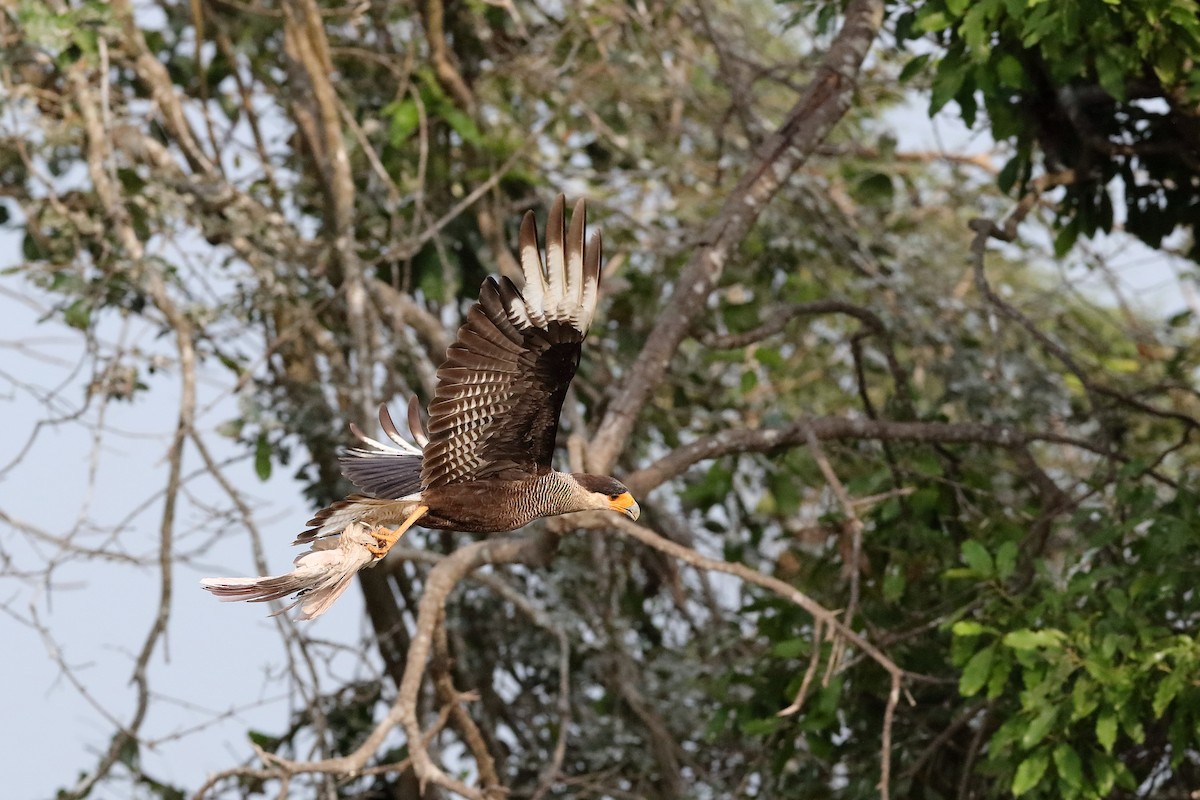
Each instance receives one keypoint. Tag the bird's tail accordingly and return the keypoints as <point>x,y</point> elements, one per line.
<point>343,536</point>
<point>320,576</point>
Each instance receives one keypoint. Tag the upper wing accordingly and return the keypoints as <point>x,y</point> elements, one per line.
<point>499,393</point>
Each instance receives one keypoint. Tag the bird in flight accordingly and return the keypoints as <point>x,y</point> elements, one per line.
<point>484,466</point>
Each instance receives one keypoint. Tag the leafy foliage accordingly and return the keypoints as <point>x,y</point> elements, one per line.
<point>1090,681</point>
<point>1104,88</point>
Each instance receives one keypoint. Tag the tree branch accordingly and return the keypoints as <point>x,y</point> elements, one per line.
<point>749,440</point>
<point>824,102</point>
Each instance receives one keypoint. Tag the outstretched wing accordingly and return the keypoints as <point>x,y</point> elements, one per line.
<point>500,391</point>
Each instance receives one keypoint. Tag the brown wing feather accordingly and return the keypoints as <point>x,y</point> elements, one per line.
<point>500,391</point>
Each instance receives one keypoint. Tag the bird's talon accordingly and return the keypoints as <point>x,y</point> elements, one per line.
<point>386,538</point>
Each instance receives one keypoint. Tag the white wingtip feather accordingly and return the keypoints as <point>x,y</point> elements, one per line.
<point>591,286</point>
<point>534,290</point>
<point>572,301</point>
<point>564,286</point>
<point>556,261</point>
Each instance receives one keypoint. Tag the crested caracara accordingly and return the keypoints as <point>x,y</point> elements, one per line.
<point>484,464</point>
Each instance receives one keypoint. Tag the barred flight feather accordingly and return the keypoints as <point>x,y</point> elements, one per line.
<point>505,378</point>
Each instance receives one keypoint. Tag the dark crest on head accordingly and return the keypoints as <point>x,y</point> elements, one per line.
<point>600,483</point>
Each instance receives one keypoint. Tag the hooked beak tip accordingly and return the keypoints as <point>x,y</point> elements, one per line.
<point>627,506</point>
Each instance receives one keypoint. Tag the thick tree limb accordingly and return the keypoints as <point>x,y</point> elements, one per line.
<point>825,101</point>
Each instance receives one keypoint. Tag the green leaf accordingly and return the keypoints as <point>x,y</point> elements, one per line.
<point>976,27</point>
<point>1068,765</point>
<point>262,457</point>
<point>1040,23</point>
<point>263,740</point>
<point>925,500</point>
<point>1066,237</point>
<point>1006,560</point>
<point>78,314</point>
<point>1111,74</point>
<point>1010,72</point>
<point>1084,697</point>
<point>914,67</point>
<point>999,676</point>
<point>975,673</point>
<point>761,727</point>
<point>716,483</point>
<point>978,558</point>
<point>967,627</point>
<point>1168,689</point>
<point>876,187</point>
<point>405,118</point>
<point>952,71</point>
<point>1106,729</point>
<point>1116,596</point>
<point>1026,639</point>
<point>770,357</point>
<point>1132,724</point>
<point>1036,730</point>
<point>127,753</point>
<point>1104,770</point>
<point>462,124</point>
<point>933,21</point>
<point>790,648</point>
<point>1011,171</point>
<point>1030,772</point>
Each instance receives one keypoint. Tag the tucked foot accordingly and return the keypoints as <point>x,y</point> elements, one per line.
<point>386,537</point>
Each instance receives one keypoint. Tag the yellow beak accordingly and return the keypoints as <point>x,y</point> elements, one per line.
<point>626,505</point>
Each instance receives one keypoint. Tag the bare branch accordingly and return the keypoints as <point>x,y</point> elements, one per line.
<point>784,590</point>
<point>745,440</point>
<point>98,161</point>
<point>985,230</point>
<point>780,317</point>
<point>433,14</point>
<point>853,525</point>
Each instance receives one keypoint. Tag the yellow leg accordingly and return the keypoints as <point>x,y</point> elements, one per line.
<point>388,537</point>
